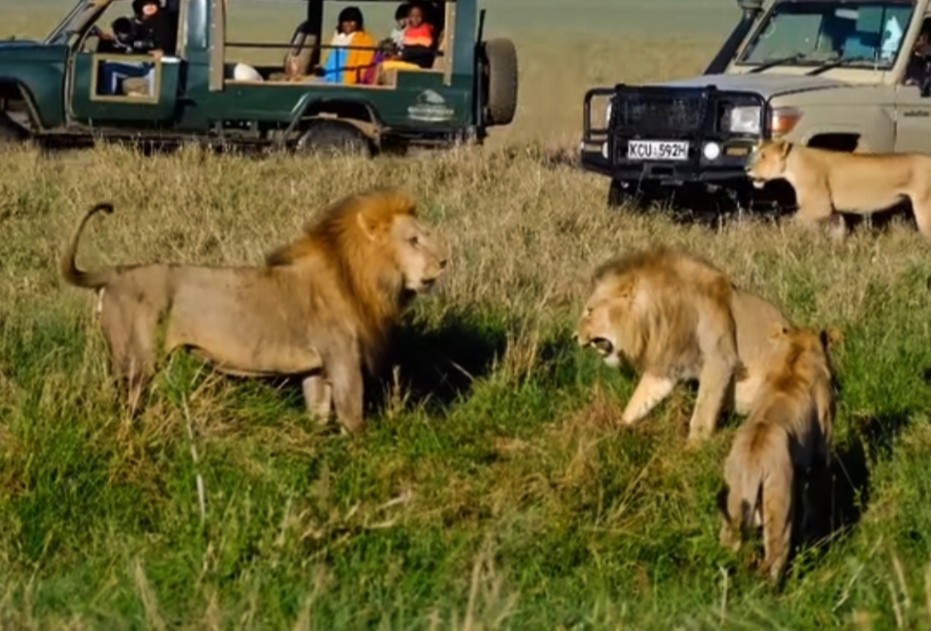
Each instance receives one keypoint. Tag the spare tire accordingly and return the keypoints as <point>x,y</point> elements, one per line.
<point>501,66</point>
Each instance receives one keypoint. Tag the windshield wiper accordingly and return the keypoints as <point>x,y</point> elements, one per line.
<point>834,63</point>
<point>766,65</point>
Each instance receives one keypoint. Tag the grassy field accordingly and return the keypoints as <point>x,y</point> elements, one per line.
<point>494,489</point>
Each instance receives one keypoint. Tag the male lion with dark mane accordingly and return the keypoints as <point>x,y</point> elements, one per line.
<point>786,439</point>
<point>827,182</point>
<point>321,308</point>
<point>675,317</point>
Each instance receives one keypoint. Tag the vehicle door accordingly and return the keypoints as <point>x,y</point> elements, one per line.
<point>912,109</point>
<point>110,86</point>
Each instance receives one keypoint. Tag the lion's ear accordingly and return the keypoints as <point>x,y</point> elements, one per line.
<point>784,146</point>
<point>831,336</point>
<point>368,227</point>
<point>627,288</point>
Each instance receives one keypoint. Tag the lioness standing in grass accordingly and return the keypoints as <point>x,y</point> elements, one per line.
<point>826,181</point>
<point>788,434</point>
<point>321,309</point>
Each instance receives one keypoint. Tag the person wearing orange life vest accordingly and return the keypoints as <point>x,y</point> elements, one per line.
<point>417,43</point>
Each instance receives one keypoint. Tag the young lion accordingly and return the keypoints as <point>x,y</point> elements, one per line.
<point>675,317</point>
<point>787,436</point>
<point>826,181</point>
<point>321,309</point>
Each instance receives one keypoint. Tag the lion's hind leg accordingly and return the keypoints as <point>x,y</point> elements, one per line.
<point>130,332</point>
<point>731,532</point>
<point>921,208</point>
<point>778,517</point>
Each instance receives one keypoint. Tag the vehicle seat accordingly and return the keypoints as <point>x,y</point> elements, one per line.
<point>298,60</point>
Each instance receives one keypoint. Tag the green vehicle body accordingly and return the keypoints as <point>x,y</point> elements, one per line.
<point>49,88</point>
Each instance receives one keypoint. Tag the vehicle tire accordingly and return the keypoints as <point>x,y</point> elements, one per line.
<point>501,67</point>
<point>10,133</point>
<point>330,138</point>
<point>631,194</point>
<point>617,194</point>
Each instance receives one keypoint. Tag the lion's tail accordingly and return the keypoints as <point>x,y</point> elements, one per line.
<point>69,268</point>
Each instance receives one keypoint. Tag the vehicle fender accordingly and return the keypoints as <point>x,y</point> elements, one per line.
<point>309,105</point>
<point>366,128</point>
<point>874,126</point>
<point>12,83</point>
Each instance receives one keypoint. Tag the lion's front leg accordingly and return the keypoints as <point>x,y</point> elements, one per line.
<point>650,391</point>
<point>815,208</point>
<point>318,397</point>
<point>345,376</point>
<point>713,384</point>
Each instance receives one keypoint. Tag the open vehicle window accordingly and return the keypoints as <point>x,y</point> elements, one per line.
<point>808,33</point>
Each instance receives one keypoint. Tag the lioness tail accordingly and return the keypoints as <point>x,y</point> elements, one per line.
<point>69,268</point>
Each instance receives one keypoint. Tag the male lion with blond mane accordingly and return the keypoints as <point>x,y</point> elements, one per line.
<point>675,317</point>
<point>321,308</point>
<point>826,181</point>
<point>786,439</point>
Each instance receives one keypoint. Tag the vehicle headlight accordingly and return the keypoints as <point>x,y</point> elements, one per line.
<point>745,120</point>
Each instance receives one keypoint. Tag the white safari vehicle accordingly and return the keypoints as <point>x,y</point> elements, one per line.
<point>843,74</point>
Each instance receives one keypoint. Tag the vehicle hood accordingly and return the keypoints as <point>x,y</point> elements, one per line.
<point>765,84</point>
<point>17,43</point>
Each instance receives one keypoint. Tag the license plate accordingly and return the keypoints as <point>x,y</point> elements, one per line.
<point>657,150</point>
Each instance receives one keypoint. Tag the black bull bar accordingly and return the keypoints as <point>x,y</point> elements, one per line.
<point>695,115</point>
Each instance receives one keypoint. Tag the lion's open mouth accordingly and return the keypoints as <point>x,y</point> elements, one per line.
<point>603,346</point>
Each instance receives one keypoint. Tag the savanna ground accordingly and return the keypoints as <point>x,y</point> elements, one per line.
<point>494,489</point>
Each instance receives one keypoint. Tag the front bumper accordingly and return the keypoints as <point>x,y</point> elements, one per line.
<point>697,116</point>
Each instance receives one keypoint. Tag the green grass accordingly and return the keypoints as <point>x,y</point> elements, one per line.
<point>494,489</point>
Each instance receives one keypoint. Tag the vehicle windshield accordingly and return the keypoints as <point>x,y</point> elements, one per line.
<point>811,33</point>
<point>73,22</point>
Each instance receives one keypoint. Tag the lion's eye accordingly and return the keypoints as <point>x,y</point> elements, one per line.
<point>414,241</point>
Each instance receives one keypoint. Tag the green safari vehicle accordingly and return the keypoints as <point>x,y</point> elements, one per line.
<point>61,88</point>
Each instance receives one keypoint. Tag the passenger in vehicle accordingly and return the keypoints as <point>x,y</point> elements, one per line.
<point>345,63</point>
<point>121,41</point>
<point>419,37</point>
<point>918,62</point>
<point>150,32</point>
<point>401,15</point>
<point>154,32</point>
